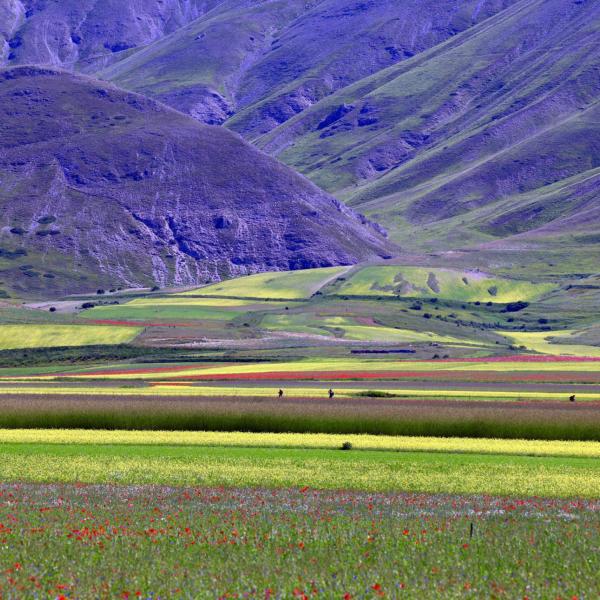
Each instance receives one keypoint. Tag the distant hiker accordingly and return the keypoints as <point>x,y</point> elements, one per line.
<point>281,393</point>
<point>331,393</point>
<point>572,398</point>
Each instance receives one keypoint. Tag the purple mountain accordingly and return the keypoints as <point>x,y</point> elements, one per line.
<point>102,186</point>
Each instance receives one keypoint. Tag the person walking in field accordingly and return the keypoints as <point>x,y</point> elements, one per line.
<point>331,393</point>
<point>280,393</point>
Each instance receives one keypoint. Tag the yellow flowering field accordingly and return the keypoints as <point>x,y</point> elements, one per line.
<point>304,440</point>
<point>320,469</point>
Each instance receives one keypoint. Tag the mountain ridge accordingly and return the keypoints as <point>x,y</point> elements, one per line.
<point>457,124</point>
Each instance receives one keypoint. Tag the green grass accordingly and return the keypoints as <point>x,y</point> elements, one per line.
<point>151,542</point>
<point>323,469</point>
<point>552,342</point>
<point>350,329</point>
<point>292,285</point>
<point>173,308</point>
<point>45,335</point>
<point>449,284</point>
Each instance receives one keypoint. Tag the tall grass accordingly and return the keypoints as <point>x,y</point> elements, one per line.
<point>426,424</point>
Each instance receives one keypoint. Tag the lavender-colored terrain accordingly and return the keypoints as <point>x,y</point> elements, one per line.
<point>456,124</point>
<point>101,184</point>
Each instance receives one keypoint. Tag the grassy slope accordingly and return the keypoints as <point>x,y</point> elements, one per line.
<point>364,470</point>
<point>294,285</point>
<point>459,286</point>
<point>185,67</point>
<point>275,63</point>
<point>464,127</point>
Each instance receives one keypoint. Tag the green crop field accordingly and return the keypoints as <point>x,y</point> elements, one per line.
<point>47,335</point>
<point>317,368</point>
<point>554,342</point>
<point>329,441</point>
<point>292,285</point>
<point>350,329</point>
<point>291,467</point>
<point>174,308</point>
<point>460,286</point>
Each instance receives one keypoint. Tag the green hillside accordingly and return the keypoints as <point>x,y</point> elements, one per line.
<point>459,286</point>
<point>490,134</point>
<point>292,285</point>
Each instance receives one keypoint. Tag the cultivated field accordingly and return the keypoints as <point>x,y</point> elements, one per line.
<point>420,282</point>
<point>458,456</point>
<point>226,543</point>
<point>281,286</point>
<point>454,469</point>
<point>47,335</point>
<point>541,420</point>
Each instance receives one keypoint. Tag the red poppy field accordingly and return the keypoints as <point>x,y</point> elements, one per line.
<point>156,542</point>
<point>475,376</point>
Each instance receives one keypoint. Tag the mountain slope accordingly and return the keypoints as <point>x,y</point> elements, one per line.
<point>101,186</point>
<point>457,123</point>
<point>495,132</point>
<point>213,59</point>
<point>69,32</point>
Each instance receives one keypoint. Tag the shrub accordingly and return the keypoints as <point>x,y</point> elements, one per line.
<point>347,446</point>
<point>516,306</point>
<point>375,394</point>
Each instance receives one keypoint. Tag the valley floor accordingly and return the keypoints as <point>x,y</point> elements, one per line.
<point>392,431</point>
<point>164,542</point>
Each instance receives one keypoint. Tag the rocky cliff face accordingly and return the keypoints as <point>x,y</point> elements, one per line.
<point>98,185</point>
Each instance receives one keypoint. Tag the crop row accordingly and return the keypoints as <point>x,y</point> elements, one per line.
<point>189,390</point>
<point>290,467</point>
<point>302,440</point>
<point>344,416</point>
